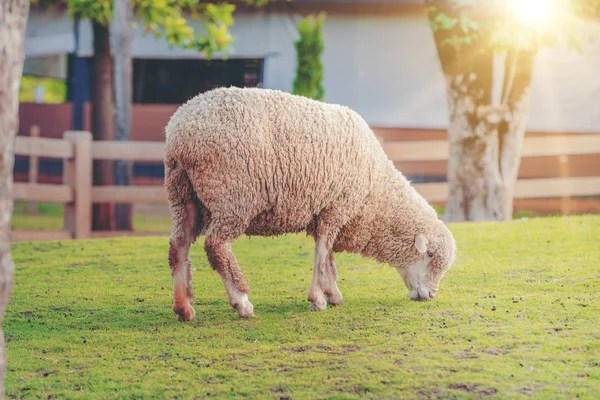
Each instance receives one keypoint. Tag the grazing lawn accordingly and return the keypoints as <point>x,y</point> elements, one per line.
<point>55,90</point>
<point>516,317</point>
<point>50,218</point>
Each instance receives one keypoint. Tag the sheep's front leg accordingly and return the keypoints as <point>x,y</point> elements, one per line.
<point>323,288</point>
<point>223,261</point>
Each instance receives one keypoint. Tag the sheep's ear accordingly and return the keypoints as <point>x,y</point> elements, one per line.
<point>421,243</point>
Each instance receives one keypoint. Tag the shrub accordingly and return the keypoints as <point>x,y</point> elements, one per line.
<point>309,48</point>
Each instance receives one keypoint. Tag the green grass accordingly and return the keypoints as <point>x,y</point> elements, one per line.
<point>516,317</point>
<point>55,89</point>
<point>50,218</point>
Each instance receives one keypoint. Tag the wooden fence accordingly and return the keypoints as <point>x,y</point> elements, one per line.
<point>77,150</point>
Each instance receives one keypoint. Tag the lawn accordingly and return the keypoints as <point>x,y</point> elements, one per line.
<point>516,317</point>
<point>50,218</point>
<point>55,90</point>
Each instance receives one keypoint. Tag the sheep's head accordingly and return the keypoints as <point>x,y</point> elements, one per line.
<point>434,256</point>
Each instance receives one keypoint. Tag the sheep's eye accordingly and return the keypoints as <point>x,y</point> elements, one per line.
<point>430,253</point>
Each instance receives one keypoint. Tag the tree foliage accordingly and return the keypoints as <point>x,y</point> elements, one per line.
<point>167,19</point>
<point>469,33</point>
<point>464,22</point>
<point>309,49</point>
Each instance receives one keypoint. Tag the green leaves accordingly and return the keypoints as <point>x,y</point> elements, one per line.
<point>166,18</point>
<point>309,48</point>
<point>169,19</point>
<point>509,24</point>
<point>98,10</point>
<point>467,24</point>
<point>443,21</point>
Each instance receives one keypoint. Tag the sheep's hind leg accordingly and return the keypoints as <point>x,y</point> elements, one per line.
<point>329,284</point>
<point>323,288</point>
<point>183,234</point>
<point>223,261</point>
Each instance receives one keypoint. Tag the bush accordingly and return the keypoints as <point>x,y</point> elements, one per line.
<point>309,49</point>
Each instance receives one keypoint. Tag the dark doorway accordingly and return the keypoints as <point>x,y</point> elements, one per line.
<point>162,81</point>
<point>176,81</point>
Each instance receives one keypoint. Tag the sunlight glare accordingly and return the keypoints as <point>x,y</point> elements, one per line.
<point>534,12</point>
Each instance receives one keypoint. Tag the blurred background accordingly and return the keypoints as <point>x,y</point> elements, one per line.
<point>378,57</point>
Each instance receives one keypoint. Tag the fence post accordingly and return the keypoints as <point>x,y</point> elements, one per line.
<point>34,132</point>
<point>564,172</point>
<point>78,174</point>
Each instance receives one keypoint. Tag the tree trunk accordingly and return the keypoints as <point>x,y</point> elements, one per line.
<point>485,143</point>
<point>13,20</point>
<point>486,121</point>
<point>121,43</point>
<point>102,122</point>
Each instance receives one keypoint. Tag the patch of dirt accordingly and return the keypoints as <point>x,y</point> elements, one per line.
<point>530,390</point>
<point>301,349</point>
<point>343,350</point>
<point>494,351</point>
<point>554,331</point>
<point>356,389</point>
<point>469,388</point>
<point>463,387</point>
<point>350,348</point>
<point>433,394</point>
<point>488,392</point>
<point>467,354</point>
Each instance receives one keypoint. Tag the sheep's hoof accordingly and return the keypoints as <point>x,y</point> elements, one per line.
<point>319,305</point>
<point>335,299</point>
<point>245,310</point>
<point>185,313</point>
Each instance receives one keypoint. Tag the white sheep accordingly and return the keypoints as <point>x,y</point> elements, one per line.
<point>264,162</point>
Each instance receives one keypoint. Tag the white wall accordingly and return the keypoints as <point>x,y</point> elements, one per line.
<point>565,93</point>
<point>385,68</point>
<point>280,60</point>
<point>48,33</point>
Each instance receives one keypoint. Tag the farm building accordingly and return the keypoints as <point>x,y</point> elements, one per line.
<point>379,59</point>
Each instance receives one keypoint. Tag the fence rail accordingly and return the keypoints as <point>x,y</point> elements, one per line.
<point>78,152</point>
<point>437,150</point>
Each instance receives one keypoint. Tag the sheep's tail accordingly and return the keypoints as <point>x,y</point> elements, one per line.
<point>185,207</point>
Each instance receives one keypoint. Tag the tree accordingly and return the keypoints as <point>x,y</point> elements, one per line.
<point>103,217</point>
<point>477,42</point>
<point>123,84</point>
<point>162,18</point>
<point>309,49</point>
<point>13,19</point>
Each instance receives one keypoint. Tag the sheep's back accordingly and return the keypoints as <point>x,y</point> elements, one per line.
<point>274,158</point>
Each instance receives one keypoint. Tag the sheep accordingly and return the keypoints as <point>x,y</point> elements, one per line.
<point>262,162</point>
